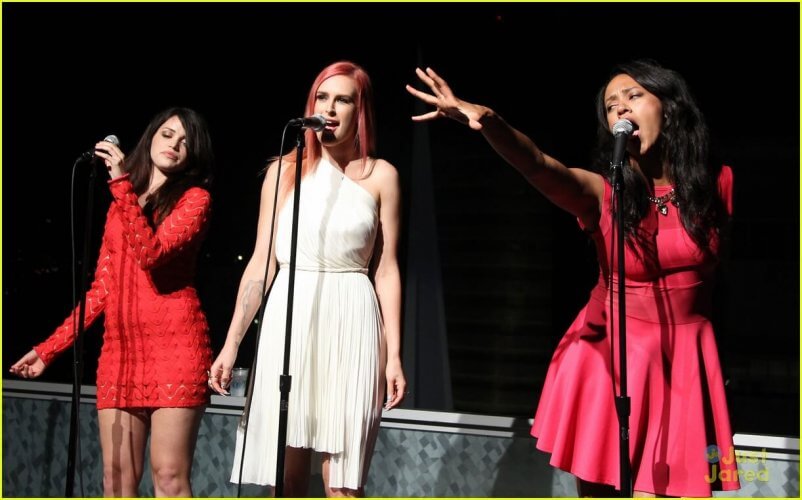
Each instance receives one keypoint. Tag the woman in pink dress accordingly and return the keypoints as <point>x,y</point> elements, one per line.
<point>675,207</point>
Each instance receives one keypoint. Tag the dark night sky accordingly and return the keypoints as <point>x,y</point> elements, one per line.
<point>73,73</point>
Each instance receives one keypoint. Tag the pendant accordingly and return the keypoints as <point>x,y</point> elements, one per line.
<point>662,208</point>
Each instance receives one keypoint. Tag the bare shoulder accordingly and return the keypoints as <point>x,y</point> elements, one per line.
<point>384,171</point>
<point>272,168</point>
<point>271,172</point>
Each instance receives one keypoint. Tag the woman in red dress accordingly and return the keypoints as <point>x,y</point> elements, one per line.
<point>151,374</point>
<point>676,205</point>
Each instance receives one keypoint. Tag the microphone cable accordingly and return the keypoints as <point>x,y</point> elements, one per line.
<point>261,315</point>
<point>77,350</point>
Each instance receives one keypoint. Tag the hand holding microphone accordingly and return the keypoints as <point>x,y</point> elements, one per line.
<point>108,150</point>
<point>90,155</point>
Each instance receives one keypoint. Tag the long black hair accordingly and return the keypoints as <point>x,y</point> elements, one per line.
<point>197,170</point>
<point>683,145</point>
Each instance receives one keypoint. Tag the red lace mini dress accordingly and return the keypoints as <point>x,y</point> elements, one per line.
<point>156,344</point>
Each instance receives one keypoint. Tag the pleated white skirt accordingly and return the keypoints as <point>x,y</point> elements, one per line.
<point>337,365</point>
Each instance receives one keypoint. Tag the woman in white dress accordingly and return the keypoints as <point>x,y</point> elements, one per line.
<point>345,352</point>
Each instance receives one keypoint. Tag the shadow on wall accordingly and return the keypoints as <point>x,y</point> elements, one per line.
<point>525,472</point>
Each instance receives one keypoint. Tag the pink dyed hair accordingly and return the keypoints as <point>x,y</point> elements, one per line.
<point>365,134</point>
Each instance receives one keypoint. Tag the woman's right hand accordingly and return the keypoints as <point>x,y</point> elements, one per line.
<point>112,156</point>
<point>445,101</point>
<point>220,372</point>
<point>29,366</point>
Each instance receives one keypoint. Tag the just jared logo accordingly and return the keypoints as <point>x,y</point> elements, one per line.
<point>718,472</point>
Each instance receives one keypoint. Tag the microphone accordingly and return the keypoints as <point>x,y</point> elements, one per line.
<point>622,129</point>
<point>90,155</point>
<point>316,122</point>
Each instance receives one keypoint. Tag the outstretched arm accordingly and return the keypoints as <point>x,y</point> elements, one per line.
<point>251,288</point>
<point>33,364</point>
<point>575,190</point>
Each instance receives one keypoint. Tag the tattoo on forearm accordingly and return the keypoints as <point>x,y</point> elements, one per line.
<point>251,298</point>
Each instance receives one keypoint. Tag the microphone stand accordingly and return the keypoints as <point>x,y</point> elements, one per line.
<point>285,379</point>
<point>622,401</point>
<point>78,345</point>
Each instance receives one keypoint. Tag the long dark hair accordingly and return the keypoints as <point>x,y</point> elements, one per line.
<point>683,148</point>
<point>197,170</point>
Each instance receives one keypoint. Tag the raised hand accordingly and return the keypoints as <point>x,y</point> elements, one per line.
<point>112,156</point>
<point>445,101</point>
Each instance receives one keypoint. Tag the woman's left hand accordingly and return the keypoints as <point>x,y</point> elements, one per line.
<point>396,384</point>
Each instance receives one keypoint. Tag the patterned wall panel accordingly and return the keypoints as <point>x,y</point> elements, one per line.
<point>406,463</point>
<point>424,463</point>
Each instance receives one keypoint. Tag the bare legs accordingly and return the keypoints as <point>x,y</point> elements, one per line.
<point>297,468</point>
<point>337,492</point>
<point>297,462</point>
<point>173,434</point>
<point>588,489</point>
<point>123,436</point>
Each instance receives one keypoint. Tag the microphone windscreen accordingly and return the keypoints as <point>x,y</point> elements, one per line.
<point>622,126</point>
<point>319,122</point>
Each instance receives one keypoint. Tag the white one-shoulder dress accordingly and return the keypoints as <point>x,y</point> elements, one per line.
<point>337,355</point>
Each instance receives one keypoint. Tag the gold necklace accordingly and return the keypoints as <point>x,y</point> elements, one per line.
<point>662,201</point>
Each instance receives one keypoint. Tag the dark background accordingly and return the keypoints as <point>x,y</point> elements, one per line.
<point>514,270</point>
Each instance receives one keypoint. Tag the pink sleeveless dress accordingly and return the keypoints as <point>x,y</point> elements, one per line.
<point>680,437</point>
